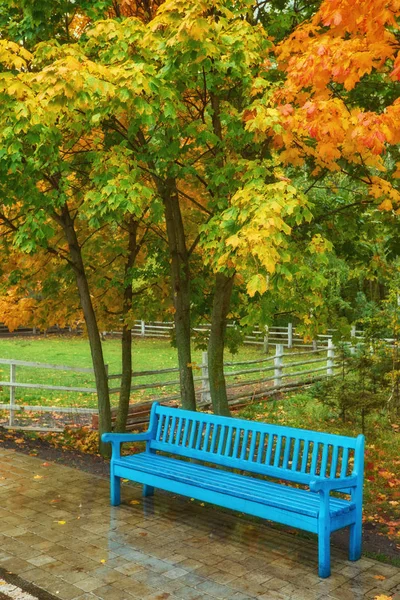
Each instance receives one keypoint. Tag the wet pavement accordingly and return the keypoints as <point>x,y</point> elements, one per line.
<point>58,532</point>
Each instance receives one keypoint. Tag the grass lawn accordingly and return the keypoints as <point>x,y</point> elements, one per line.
<point>148,354</point>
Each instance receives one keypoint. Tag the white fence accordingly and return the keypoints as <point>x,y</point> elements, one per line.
<point>12,407</point>
<point>259,377</point>
<point>288,335</point>
<point>275,373</point>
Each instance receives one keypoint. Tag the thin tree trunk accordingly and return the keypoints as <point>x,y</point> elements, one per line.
<point>221,303</point>
<point>96,349</point>
<point>216,343</point>
<point>180,280</point>
<point>126,343</point>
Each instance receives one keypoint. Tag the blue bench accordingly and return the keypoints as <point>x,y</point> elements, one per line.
<point>316,464</point>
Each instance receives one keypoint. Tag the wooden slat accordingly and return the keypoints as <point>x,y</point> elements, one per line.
<point>271,439</point>
<point>324,460</point>
<point>172,430</point>
<point>334,463</point>
<point>286,454</point>
<point>295,456</point>
<point>314,458</point>
<point>304,459</point>
<point>206,438</point>
<point>345,459</point>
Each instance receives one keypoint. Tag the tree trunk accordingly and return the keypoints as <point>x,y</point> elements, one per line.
<point>180,280</point>
<point>96,349</point>
<point>126,343</point>
<point>216,343</point>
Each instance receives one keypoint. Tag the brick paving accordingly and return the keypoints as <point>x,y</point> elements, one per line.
<point>58,531</point>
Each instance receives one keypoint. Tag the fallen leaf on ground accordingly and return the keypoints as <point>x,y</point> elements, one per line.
<point>38,477</point>
<point>380,577</point>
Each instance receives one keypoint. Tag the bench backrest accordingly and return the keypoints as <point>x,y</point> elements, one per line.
<point>297,455</point>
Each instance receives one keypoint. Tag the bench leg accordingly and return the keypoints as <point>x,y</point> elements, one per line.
<point>324,550</point>
<point>355,540</point>
<point>148,490</point>
<point>115,490</point>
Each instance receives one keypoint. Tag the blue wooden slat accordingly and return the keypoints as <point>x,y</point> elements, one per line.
<point>192,434</point>
<point>179,431</point>
<point>295,456</point>
<point>159,426</point>
<point>221,439</point>
<point>244,444</point>
<point>277,454</point>
<point>254,435</point>
<point>334,463</point>
<point>228,442</point>
<point>172,430</point>
<point>185,432</point>
<point>324,460</point>
<point>304,458</point>
<point>345,459</point>
<point>206,439</point>
<point>199,437</point>
<point>214,437</point>
<point>286,454</point>
<point>314,458</point>
<point>166,427</point>
<point>260,450</point>
<point>237,442</point>
<point>271,441</point>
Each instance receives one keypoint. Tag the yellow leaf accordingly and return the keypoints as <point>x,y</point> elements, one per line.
<point>60,522</point>
<point>386,205</point>
<point>258,283</point>
<point>38,477</point>
<point>103,560</point>
<point>134,502</point>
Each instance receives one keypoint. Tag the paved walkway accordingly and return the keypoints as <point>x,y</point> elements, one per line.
<point>58,532</point>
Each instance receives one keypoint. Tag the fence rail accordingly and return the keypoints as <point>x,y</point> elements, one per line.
<point>12,407</point>
<point>276,372</point>
<point>286,335</point>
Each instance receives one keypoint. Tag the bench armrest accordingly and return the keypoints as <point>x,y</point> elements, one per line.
<point>116,439</point>
<point>327,485</point>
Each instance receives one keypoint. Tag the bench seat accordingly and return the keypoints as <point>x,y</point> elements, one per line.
<point>281,474</point>
<point>249,488</point>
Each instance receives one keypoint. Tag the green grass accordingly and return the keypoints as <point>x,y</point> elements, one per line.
<point>148,354</point>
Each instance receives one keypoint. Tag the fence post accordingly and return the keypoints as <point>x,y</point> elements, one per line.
<point>13,378</point>
<point>330,358</point>
<point>265,343</point>
<point>205,382</point>
<point>290,335</point>
<point>278,364</point>
<point>315,344</point>
<point>142,328</point>
<point>353,336</point>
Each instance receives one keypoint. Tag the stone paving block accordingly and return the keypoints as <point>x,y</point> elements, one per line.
<point>163,548</point>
